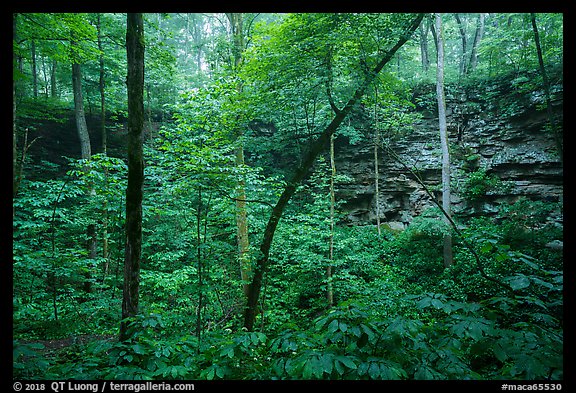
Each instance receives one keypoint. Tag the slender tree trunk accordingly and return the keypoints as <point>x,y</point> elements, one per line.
<point>315,148</point>
<point>34,71</point>
<point>91,246</point>
<point>242,225</point>
<point>546,84</point>
<point>236,23</point>
<point>15,181</point>
<point>81,127</point>
<point>149,114</point>
<point>53,84</point>
<point>476,43</point>
<point>134,192</point>
<point>199,268</point>
<point>443,139</point>
<point>329,286</point>
<point>101,88</point>
<point>376,169</point>
<point>14,134</point>
<point>463,62</point>
<point>424,27</point>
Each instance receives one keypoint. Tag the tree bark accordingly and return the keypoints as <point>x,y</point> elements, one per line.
<point>476,43</point>
<point>236,23</point>
<point>134,192</point>
<point>101,88</point>
<point>200,267</point>
<point>14,134</point>
<point>315,148</point>
<point>424,27</point>
<point>242,225</point>
<point>81,127</point>
<point>84,136</point>
<point>53,85</point>
<point>376,169</point>
<point>91,247</point>
<point>329,286</point>
<point>447,248</point>
<point>463,63</point>
<point>34,71</point>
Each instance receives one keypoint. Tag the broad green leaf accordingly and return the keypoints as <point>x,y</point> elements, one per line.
<point>436,303</point>
<point>374,370</point>
<point>333,326</point>
<point>138,349</point>
<point>499,352</point>
<point>327,363</point>
<point>346,361</point>
<point>519,282</point>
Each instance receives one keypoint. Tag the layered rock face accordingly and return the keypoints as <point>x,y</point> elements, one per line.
<point>508,137</point>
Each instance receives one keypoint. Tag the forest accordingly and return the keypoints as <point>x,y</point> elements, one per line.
<point>287,196</point>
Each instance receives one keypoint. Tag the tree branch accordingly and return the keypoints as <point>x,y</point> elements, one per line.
<point>302,170</point>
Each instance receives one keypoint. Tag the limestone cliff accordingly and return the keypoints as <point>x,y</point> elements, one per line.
<point>500,128</point>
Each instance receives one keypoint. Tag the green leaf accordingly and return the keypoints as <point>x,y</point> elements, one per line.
<point>138,349</point>
<point>333,326</point>
<point>519,282</point>
<point>220,371</point>
<point>346,361</point>
<point>436,303</point>
<point>327,363</point>
<point>338,366</point>
<point>423,303</point>
<point>374,370</point>
<point>227,351</point>
<point>499,352</point>
<point>308,369</point>
<point>543,283</point>
<point>423,372</point>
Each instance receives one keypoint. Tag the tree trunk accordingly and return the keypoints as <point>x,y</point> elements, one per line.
<point>329,287</point>
<point>134,192</point>
<point>476,43</point>
<point>307,162</point>
<point>376,170</point>
<point>34,71</point>
<point>101,88</point>
<point>15,180</point>
<point>53,85</point>
<point>199,269</point>
<point>14,134</point>
<point>82,129</point>
<point>81,126</point>
<point>91,247</point>
<point>236,23</point>
<point>424,27</point>
<point>463,63</point>
<point>242,225</point>
<point>447,253</point>
<point>546,85</point>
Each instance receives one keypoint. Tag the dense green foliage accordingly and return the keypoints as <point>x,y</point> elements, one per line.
<point>399,313</point>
